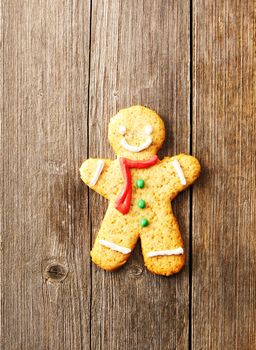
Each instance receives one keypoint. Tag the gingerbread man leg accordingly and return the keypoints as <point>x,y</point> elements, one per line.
<point>114,243</point>
<point>162,244</point>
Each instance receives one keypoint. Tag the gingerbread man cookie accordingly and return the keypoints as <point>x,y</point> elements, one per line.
<point>140,188</point>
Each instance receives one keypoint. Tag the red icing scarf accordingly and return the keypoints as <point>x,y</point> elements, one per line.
<point>124,198</point>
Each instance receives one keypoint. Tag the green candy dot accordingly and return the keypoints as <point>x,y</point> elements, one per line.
<point>144,222</point>
<point>141,204</point>
<point>140,183</point>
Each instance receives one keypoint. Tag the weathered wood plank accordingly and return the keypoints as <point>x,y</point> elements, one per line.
<point>224,205</point>
<point>139,55</point>
<point>45,81</point>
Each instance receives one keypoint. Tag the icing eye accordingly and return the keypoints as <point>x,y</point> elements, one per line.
<point>148,129</point>
<point>122,129</point>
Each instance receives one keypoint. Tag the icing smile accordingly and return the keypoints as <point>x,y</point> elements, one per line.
<point>148,130</point>
<point>139,148</point>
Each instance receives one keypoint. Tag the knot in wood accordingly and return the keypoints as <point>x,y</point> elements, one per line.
<point>55,272</point>
<point>135,270</point>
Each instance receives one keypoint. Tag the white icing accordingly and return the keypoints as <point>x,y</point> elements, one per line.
<point>114,246</point>
<point>177,251</point>
<point>131,148</point>
<point>122,129</point>
<point>179,171</point>
<point>100,166</point>
<point>148,129</point>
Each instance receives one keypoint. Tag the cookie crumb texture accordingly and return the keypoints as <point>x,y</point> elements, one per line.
<point>154,223</point>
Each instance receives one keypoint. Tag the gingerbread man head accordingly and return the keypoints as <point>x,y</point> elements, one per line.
<point>136,133</point>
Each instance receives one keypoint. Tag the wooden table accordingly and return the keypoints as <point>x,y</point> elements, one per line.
<point>67,67</point>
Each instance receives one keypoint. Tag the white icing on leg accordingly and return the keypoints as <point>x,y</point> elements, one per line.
<point>177,251</point>
<point>179,171</point>
<point>114,246</point>
<point>97,173</point>
<point>136,149</point>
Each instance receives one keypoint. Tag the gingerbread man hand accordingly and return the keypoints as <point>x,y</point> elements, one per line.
<point>139,188</point>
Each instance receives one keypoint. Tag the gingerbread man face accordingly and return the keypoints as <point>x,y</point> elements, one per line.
<point>140,188</point>
<point>136,133</point>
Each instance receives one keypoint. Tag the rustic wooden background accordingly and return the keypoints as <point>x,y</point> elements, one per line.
<point>66,67</point>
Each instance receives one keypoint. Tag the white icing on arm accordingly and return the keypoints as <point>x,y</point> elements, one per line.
<point>136,149</point>
<point>177,251</point>
<point>179,171</point>
<point>114,246</point>
<point>100,166</point>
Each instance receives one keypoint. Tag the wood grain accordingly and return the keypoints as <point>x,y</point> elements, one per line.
<point>224,204</point>
<point>45,270</point>
<point>139,55</point>
<point>66,68</point>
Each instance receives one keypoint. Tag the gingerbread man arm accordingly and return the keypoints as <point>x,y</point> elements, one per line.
<point>180,172</point>
<point>95,173</point>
